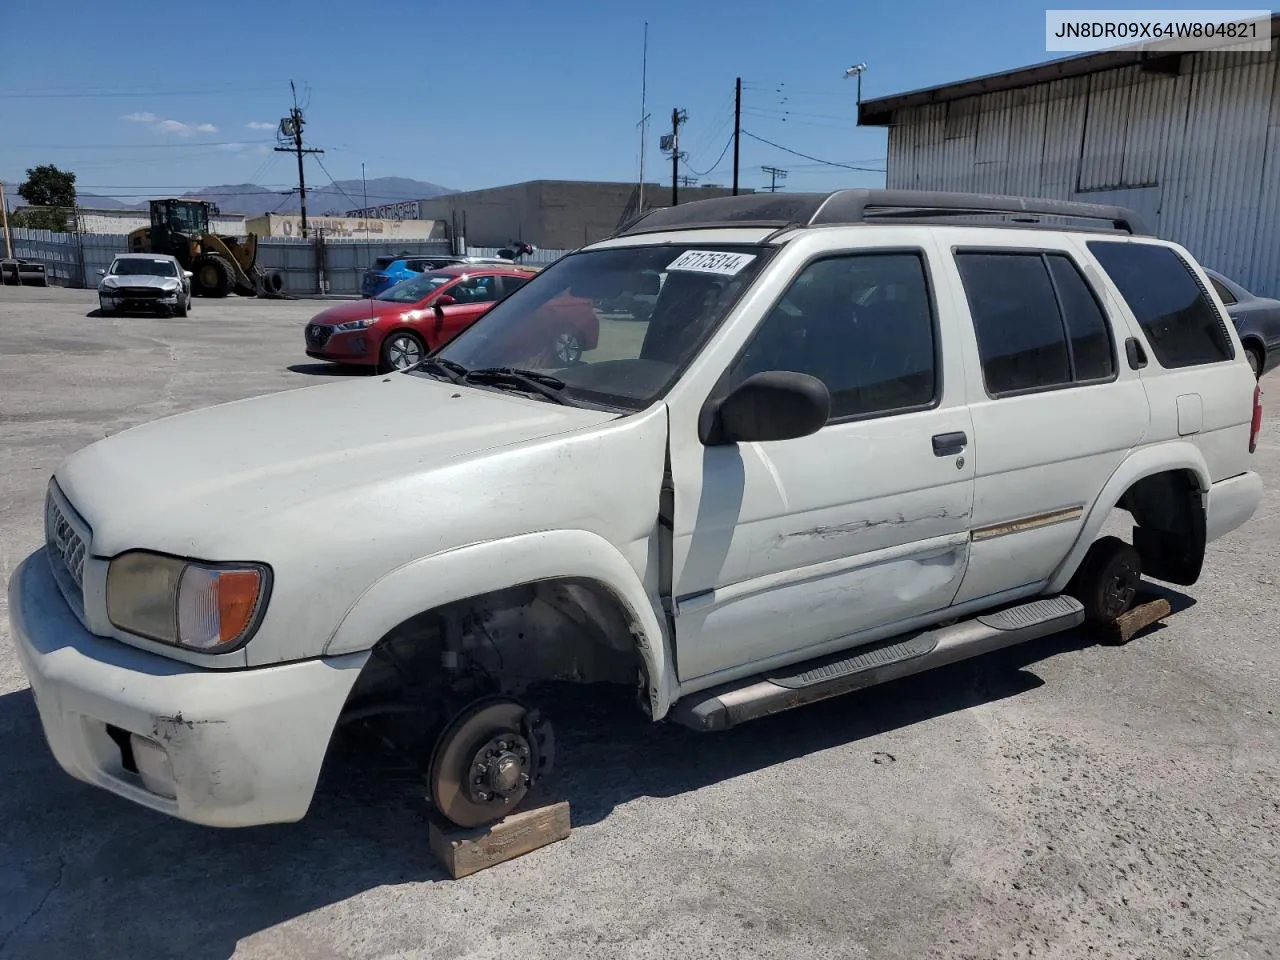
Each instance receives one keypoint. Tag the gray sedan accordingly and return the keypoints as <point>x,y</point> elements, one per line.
<point>1257,320</point>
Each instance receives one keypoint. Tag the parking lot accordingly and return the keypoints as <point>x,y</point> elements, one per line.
<point>1063,799</point>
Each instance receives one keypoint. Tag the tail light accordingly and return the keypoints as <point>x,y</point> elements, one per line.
<point>1256,427</point>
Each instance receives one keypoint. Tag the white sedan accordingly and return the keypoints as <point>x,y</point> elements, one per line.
<point>147,282</point>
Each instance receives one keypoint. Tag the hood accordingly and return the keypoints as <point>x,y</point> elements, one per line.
<point>207,480</point>
<point>140,281</point>
<point>358,310</point>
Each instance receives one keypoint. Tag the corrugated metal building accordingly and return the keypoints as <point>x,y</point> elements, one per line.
<point>1191,140</point>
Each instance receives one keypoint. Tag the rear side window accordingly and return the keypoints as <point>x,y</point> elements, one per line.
<point>1226,295</point>
<point>1037,322</point>
<point>383,262</point>
<point>1173,310</point>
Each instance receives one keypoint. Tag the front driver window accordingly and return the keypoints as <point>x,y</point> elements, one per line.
<point>475,290</point>
<point>863,325</point>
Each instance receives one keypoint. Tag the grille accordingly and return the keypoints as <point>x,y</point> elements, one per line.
<point>66,549</point>
<point>317,335</point>
<point>140,293</point>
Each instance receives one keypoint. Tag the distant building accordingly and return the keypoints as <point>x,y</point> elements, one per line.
<point>114,221</point>
<point>1190,140</point>
<point>551,214</point>
<point>347,228</point>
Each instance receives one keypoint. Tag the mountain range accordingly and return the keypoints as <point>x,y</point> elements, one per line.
<point>252,200</point>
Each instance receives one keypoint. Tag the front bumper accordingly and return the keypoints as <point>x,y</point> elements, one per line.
<point>117,302</point>
<point>234,747</point>
<point>350,346</point>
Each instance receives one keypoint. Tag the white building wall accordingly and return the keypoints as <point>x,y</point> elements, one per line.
<point>1198,153</point>
<point>126,221</point>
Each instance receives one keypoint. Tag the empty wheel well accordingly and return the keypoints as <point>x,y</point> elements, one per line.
<point>562,630</point>
<point>1169,532</point>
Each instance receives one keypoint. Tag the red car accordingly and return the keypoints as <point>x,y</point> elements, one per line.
<point>400,326</point>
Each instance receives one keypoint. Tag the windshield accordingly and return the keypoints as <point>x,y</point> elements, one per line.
<point>415,288</point>
<point>618,326</point>
<point>142,268</point>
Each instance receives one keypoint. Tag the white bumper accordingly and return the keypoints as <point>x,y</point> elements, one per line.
<point>1231,504</point>
<point>243,747</point>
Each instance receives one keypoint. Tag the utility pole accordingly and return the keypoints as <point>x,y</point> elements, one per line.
<point>671,141</point>
<point>737,130</point>
<point>291,129</point>
<point>775,174</point>
<point>644,115</point>
<point>4,212</point>
<point>688,181</point>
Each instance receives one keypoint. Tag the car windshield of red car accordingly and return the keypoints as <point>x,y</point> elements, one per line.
<point>415,288</point>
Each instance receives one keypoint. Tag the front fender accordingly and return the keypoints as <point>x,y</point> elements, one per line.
<point>1175,455</point>
<point>481,568</point>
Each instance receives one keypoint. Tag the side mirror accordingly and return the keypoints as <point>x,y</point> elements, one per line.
<point>188,274</point>
<point>774,405</point>
<point>444,300</point>
<point>102,273</point>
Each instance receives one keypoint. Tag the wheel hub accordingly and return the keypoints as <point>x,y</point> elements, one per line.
<point>500,769</point>
<point>487,759</point>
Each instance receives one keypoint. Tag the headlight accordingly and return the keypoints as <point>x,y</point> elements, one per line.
<point>171,285</point>
<point>355,325</point>
<point>201,606</point>
<point>109,283</point>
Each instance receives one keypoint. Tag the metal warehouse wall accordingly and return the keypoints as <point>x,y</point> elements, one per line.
<point>1198,154</point>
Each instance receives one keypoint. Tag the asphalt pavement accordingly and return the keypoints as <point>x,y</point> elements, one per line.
<point>1060,800</point>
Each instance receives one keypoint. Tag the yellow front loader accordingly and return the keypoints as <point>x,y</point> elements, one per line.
<point>219,264</point>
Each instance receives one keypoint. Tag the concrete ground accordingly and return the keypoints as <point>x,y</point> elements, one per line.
<point>1062,800</point>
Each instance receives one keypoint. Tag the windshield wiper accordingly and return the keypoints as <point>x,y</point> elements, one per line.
<point>530,380</point>
<point>453,371</point>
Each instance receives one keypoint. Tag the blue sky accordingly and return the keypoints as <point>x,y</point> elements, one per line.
<point>155,98</point>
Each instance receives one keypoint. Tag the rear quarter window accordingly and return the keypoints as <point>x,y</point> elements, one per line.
<point>1168,301</point>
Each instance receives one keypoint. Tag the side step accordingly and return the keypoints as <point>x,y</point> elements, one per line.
<point>731,704</point>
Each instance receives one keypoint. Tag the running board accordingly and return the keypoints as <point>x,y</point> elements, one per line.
<point>731,704</point>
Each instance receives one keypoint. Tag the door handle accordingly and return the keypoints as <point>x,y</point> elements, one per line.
<point>1134,353</point>
<point>949,444</point>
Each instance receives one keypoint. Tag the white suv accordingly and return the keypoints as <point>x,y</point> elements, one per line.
<point>856,438</point>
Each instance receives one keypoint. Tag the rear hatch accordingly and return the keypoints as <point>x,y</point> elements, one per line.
<point>375,274</point>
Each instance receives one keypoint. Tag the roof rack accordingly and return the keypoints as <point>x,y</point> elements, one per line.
<point>882,206</point>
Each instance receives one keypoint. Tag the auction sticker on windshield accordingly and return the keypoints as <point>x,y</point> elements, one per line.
<point>711,261</point>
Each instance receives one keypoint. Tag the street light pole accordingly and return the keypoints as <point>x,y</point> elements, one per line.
<point>857,71</point>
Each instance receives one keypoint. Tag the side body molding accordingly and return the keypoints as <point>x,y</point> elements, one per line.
<point>479,568</point>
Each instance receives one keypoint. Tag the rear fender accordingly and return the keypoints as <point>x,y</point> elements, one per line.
<point>1146,462</point>
<point>481,568</point>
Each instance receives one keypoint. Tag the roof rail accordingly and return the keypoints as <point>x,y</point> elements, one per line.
<point>881,206</point>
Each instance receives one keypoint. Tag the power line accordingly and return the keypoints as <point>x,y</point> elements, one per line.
<point>335,182</point>
<point>122,93</point>
<point>702,173</point>
<point>828,163</point>
<point>190,145</point>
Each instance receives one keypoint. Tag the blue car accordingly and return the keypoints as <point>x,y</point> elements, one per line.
<point>386,272</point>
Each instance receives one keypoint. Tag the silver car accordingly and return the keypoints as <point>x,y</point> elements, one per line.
<point>150,282</point>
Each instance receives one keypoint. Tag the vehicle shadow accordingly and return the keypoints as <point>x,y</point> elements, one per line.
<point>86,874</point>
<point>330,370</point>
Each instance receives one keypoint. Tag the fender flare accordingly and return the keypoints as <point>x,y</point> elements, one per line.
<point>484,567</point>
<point>1145,462</point>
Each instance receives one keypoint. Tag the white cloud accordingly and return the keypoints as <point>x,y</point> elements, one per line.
<point>259,125</point>
<point>162,125</point>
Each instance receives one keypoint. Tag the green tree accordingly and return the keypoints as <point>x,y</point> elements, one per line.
<point>52,195</point>
<point>47,186</point>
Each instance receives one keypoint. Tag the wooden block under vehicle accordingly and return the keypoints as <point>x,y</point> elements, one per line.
<point>464,852</point>
<point>1148,610</point>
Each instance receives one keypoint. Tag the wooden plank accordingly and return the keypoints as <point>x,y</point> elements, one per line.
<point>464,852</point>
<point>1143,615</point>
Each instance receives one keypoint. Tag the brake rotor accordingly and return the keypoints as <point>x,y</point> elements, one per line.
<point>486,760</point>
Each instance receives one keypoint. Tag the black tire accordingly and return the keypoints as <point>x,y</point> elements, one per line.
<point>273,281</point>
<point>1254,355</point>
<point>395,354</point>
<point>214,276</point>
<point>181,309</point>
<point>1108,580</point>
